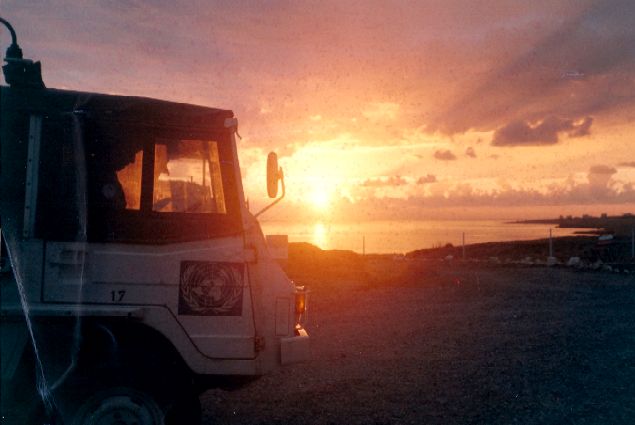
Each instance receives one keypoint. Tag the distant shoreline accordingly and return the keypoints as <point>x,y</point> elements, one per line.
<point>618,225</point>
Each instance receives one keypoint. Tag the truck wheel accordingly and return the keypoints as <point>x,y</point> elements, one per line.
<point>119,406</point>
<point>125,405</point>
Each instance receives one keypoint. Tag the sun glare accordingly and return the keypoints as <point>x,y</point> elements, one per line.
<point>320,200</point>
<point>319,235</point>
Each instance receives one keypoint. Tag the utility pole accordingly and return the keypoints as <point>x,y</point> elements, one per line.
<point>463,245</point>
<point>550,244</point>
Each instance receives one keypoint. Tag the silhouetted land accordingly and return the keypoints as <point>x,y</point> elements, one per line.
<point>587,248</point>
<point>619,225</point>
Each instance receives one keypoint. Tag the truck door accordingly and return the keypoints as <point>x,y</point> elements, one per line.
<point>163,230</point>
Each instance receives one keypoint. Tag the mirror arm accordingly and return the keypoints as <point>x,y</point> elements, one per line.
<point>281,174</point>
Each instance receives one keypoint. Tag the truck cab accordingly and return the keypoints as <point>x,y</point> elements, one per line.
<point>134,276</point>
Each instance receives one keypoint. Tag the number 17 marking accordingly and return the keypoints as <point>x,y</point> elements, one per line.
<point>117,296</point>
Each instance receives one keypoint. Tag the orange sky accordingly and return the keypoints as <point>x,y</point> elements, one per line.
<point>379,109</point>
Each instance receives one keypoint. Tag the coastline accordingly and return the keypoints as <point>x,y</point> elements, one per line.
<point>619,225</point>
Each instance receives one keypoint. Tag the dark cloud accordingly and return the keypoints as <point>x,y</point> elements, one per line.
<point>444,155</point>
<point>429,178</point>
<point>582,129</point>
<point>627,164</point>
<point>596,44</point>
<point>470,152</point>
<point>547,132</point>
<point>391,181</point>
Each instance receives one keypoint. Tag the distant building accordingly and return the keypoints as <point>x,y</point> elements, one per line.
<point>604,215</point>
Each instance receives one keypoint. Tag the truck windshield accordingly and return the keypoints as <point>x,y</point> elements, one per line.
<point>187,177</point>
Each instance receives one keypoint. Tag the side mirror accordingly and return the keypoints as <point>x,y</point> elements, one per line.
<point>273,174</point>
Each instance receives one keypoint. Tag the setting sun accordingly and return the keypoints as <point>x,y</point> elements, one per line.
<point>320,200</point>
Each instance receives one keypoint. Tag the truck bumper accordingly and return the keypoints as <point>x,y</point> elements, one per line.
<point>295,349</point>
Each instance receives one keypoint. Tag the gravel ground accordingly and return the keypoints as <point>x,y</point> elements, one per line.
<point>420,342</point>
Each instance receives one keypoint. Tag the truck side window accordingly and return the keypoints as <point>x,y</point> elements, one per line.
<point>187,177</point>
<point>129,178</point>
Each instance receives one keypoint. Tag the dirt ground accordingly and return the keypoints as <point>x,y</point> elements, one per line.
<point>413,342</point>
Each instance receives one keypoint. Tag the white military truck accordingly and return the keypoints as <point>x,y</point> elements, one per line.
<point>133,275</point>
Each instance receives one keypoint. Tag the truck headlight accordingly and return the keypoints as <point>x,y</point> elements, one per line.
<point>300,304</point>
<point>300,301</point>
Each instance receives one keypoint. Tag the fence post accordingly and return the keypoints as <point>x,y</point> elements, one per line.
<point>463,245</point>
<point>550,244</point>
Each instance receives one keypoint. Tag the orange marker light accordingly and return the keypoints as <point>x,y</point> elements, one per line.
<point>300,300</point>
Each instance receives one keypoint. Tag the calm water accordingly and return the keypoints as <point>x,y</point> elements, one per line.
<point>404,236</point>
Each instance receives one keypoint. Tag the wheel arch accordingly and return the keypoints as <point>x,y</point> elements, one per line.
<point>128,344</point>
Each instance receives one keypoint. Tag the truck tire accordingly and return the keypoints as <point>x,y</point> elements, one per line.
<point>118,406</point>
<point>124,403</point>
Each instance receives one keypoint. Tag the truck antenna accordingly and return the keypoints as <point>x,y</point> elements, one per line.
<point>20,72</point>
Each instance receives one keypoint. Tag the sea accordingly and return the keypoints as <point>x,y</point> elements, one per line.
<point>400,237</point>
